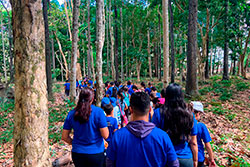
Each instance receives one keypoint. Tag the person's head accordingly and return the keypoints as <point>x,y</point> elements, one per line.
<point>129,83</point>
<point>105,101</point>
<point>143,85</point>
<point>174,96</point>
<point>82,82</point>
<point>197,108</point>
<point>120,95</point>
<point>140,103</point>
<point>114,92</point>
<point>117,84</point>
<point>67,80</point>
<point>83,108</point>
<point>152,96</point>
<point>149,84</point>
<point>107,84</point>
<point>134,88</point>
<point>112,84</point>
<point>108,109</point>
<point>125,88</point>
<point>154,89</point>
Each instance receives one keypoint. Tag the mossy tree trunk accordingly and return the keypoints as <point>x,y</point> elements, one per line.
<point>31,112</point>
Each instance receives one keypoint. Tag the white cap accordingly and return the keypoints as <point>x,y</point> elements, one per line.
<point>198,106</point>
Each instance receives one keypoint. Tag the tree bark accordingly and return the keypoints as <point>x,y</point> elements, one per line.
<point>53,58</point>
<point>92,62</point>
<point>149,56</point>
<point>111,30</point>
<point>74,50</point>
<point>191,81</point>
<point>68,20</point>
<point>47,50</point>
<point>107,39</point>
<point>156,59</point>
<point>83,62</point>
<point>122,70</point>
<point>207,62</point>
<point>3,49</point>
<point>31,112</point>
<point>126,58</point>
<point>225,60</point>
<point>172,42</point>
<point>159,53</point>
<point>89,41</point>
<point>116,45</point>
<point>165,43</point>
<point>100,35</point>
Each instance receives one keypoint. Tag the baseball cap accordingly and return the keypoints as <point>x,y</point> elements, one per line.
<point>105,101</point>
<point>198,106</point>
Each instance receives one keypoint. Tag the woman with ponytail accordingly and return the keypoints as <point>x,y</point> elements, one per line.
<point>90,127</point>
<point>177,120</point>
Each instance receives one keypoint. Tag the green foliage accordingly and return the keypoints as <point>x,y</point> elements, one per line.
<point>205,90</point>
<point>230,116</point>
<point>6,120</point>
<point>242,86</point>
<point>218,110</point>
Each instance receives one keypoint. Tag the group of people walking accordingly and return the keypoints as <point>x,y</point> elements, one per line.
<point>137,127</point>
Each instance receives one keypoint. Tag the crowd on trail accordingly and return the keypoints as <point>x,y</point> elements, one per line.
<point>136,127</point>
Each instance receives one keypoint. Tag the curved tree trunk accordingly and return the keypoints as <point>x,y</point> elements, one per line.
<point>31,111</point>
<point>4,57</point>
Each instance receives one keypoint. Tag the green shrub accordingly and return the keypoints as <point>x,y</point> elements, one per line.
<point>218,110</point>
<point>241,86</point>
<point>230,117</point>
<point>226,95</point>
<point>205,90</point>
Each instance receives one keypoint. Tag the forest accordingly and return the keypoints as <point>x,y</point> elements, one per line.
<point>204,46</point>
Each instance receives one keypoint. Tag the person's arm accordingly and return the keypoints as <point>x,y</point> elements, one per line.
<point>126,107</point>
<point>104,132</point>
<point>210,153</point>
<point>194,149</point>
<point>66,137</point>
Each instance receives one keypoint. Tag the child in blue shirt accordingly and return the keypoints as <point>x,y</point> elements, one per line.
<point>111,121</point>
<point>140,143</point>
<point>202,136</point>
<point>67,87</point>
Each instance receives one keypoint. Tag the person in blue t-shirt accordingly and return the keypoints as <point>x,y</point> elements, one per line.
<point>90,127</point>
<point>140,143</point>
<point>111,121</point>
<point>148,89</point>
<point>67,87</point>
<point>175,119</point>
<point>154,90</point>
<point>110,90</point>
<point>202,136</point>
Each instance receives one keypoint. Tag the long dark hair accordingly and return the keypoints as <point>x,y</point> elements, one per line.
<point>83,108</point>
<point>178,121</point>
<point>121,95</point>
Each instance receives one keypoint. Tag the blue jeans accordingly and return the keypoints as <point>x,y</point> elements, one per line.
<point>186,162</point>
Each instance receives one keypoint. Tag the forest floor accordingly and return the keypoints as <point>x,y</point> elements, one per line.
<point>227,115</point>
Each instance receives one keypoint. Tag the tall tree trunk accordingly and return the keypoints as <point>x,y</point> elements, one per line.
<point>207,62</point>
<point>53,58</point>
<point>74,50</point>
<point>159,53</point>
<point>111,30</point>
<point>122,70</point>
<point>107,39</point>
<point>191,81</point>
<point>234,67</point>
<point>100,34</point>
<point>89,41</point>
<point>165,42</point>
<point>31,111</point>
<point>149,56</point>
<point>211,50</point>
<point>116,45</point>
<point>126,57</point>
<point>47,50</point>
<point>92,62</point>
<point>68,20</point>
<point>83,62</point>
<point>61,69</point>
<point>172,42</point>
<point>3,49</point>
<point>156,59</point>
<point>225,60</point>
<point>213,68</point>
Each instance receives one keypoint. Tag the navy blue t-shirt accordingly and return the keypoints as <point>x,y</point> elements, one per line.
<point>203,135</point>
<point>67,84</point>
<point>183,149</point>
<point>110,91</point>
<point>127,150</point>
<point>112,125</point>
<point>87,136</point>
